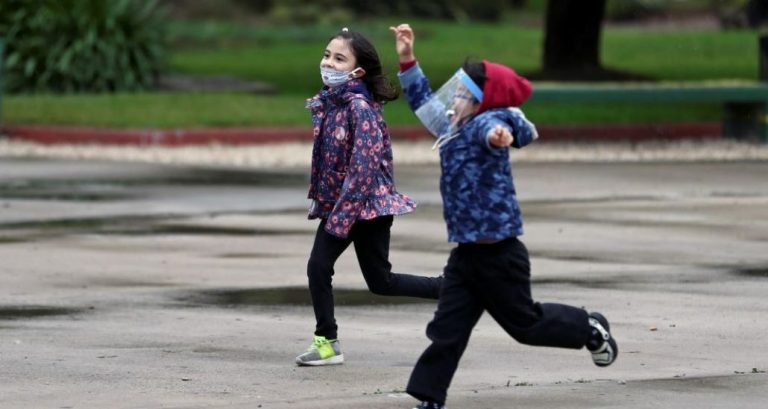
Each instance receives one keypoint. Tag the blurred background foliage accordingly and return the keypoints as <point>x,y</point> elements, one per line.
<point>123,45</point>
<point>125,48</point>
<point>81,45</point>
<point>340,11</point>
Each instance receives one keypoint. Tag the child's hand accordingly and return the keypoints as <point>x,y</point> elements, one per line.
<point>404,42</point>
<point>500,137</point>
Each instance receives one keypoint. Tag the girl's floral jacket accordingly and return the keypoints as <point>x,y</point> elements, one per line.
<point>352,175</point>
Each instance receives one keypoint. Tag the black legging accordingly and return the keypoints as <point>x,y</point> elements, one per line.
<point>371,240</point>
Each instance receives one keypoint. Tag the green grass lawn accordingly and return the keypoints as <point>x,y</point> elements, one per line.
<point>289,58</point>
<point>235,110</point>
<point>292,64</point>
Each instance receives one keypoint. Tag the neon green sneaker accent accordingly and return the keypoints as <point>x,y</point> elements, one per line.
<point>323,347</point>
<point>322,351</point>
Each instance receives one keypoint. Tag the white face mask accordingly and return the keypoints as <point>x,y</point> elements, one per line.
<point>334,78</point>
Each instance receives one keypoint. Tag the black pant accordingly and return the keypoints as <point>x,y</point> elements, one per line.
<point>371,240</point>
<point>493,278</point>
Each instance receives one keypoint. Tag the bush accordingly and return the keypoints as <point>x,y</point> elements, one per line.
<point>338,11</point>
<point>304,12</point>
<point>629,10</point>
<point>81,45</point>
<point>238,10</point>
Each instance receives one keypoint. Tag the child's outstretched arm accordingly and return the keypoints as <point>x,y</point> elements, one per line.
<point>500,137</point>
<point>524,130</point>
<point>508,127</point>
<point>413,81</point>
<point>416,85</point>
<point>404,39</point>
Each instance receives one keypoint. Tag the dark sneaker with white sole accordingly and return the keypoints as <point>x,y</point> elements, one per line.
<point>606,352</point>
<point>429,405</point>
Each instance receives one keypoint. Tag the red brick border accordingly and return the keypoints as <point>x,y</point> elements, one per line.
<point>241,136</point>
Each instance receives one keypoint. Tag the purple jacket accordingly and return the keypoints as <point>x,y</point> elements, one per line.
<point>352,175</point>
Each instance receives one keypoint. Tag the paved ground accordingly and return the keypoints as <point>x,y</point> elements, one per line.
<point>129,285</point>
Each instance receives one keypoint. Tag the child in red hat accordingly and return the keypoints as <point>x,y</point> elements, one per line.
<point>489,270</point>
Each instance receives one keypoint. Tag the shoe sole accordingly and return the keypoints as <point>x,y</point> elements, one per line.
<point>334,360</point>
<point>612,342</point>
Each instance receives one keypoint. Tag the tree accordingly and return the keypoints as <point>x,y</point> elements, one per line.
<point>741,13</point>
<point>573,30</point>
<point>572,36</point>
<point>757,13</point>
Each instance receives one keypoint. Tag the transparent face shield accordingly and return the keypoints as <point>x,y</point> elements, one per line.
<point>449,107</point>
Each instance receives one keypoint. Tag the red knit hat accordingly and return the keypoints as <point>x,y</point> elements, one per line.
<point>503,87</point>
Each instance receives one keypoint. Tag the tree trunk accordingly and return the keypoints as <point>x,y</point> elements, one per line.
<point>572,37</point>
<point>757,13</point>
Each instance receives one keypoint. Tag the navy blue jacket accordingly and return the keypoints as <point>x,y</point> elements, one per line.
<point>479,198</point>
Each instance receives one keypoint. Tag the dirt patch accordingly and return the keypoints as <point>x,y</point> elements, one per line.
<point>21,312</point>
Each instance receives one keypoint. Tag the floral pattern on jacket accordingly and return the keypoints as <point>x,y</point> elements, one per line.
<point>352,173</point>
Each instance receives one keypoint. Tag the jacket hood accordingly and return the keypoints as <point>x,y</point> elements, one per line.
<point>503,87</point>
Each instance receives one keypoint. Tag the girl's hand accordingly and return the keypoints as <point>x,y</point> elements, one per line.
<point>500,137</point>
<point>404,42</point>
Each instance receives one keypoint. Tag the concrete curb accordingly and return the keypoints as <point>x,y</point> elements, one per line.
<point>245,136</point>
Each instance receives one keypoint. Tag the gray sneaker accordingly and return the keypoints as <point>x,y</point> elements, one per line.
<point>323,351</point>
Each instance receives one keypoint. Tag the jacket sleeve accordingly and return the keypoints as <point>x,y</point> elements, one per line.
<point>523,131</point>
<point>365,159</point>
<point>418,93</point>
<point>415,86</point>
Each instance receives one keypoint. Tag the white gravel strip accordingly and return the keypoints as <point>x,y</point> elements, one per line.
<point>292,155</point>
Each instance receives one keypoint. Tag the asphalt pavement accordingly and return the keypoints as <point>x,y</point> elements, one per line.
<point>131,284</point>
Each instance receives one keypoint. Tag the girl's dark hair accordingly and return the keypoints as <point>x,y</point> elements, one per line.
<point>476,71</point>
<point>367,58</point>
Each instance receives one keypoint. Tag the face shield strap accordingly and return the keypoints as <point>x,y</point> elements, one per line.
<point>444,139</point>
<point>471,86</point>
